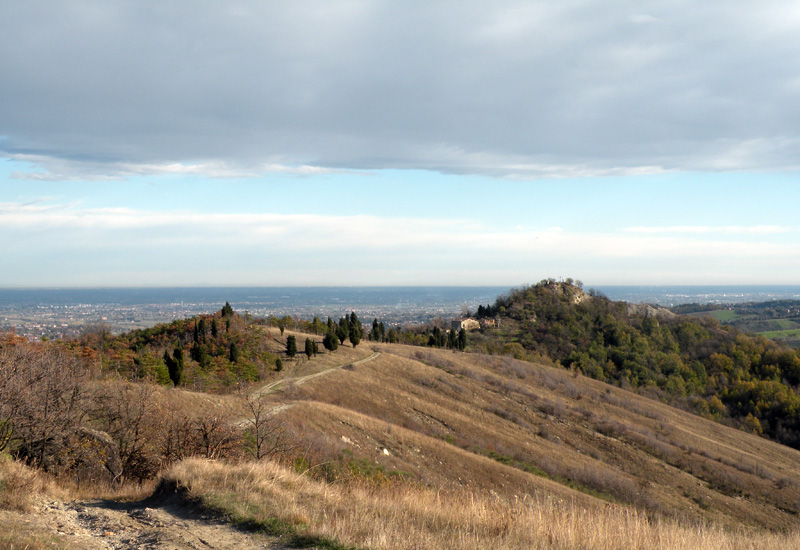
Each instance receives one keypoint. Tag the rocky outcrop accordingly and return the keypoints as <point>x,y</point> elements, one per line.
<point>647,310</point>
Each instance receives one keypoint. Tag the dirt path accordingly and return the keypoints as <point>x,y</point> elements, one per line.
<point>149,525</point>
<point>274,386</point>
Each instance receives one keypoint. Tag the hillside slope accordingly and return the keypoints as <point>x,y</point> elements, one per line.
<point>495,424</point>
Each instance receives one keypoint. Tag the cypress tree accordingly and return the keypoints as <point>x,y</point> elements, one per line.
<point>174,365</point>
<point>343,330</point>
<point>355,337</point>
<point>309,348</point>
<point>202,330</point>
<point>233,353</point>
<point>291,346</point>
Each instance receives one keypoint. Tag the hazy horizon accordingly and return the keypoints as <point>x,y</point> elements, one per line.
<point>459,143</point>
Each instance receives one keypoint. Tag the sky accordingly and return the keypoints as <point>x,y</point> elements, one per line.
<point>244,143</point>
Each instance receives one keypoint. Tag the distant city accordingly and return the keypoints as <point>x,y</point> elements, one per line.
<point>66,313</point>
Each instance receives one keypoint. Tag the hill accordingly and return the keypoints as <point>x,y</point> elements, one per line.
<point>482,423</point>
<point>714,370</point>
<point>390,445</point>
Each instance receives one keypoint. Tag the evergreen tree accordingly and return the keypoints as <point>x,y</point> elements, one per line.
<point>214,329</point>
<point>355,337</point>
<point>343,330</point>
<point>278,365</point>
<point>200,354</point>
<point>309,348</point>
<point>356,330</point>
<point>462,339</point>
<point>452,339</point>
<point>233,353</point>
<point>355,326</point>
<point>174,365</point>
<point>202,329</point>
<point>291,346</point>
<point>227,310</point>
<point>437,338</point>
<point>330,341</point>
<point>382,328</point>
<point>375,334</point>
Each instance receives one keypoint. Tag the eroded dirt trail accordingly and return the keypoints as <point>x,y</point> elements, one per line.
<point>150,525</point>
<point>277,384</point>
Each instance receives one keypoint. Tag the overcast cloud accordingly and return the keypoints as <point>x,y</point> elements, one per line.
<point>512,89</point>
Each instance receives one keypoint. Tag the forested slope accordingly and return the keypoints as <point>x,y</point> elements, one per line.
<point>715,370</point>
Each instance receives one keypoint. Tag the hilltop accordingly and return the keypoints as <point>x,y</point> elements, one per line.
<point>698,364</point>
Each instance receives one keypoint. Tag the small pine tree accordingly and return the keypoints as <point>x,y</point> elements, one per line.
<point>227,310</point>
<point>343,330</point>
<point>202,330</point>
<point>174,365</point>
<point>278,364</point>
<point>355,337</point>
<point>330,341</point>
<point>355,326</point>
<point>291,346</point>
<point>233,353</point>
<point>309,348</point>
<point>462,339</point>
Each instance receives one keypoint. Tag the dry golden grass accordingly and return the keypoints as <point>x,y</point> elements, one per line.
<point>20,486</point>
<point>440,414</point>
<point>16,533</point>
<point>401,516</point>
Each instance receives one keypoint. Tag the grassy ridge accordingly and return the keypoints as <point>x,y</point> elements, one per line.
<point>488,423</point>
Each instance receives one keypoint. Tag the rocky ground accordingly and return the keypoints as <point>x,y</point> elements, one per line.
<point>155,524</point>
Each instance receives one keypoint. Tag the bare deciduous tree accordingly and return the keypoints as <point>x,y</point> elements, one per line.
<point>265,433</point>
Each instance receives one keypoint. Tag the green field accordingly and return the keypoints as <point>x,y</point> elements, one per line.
<point>724,315</point>
<point>773,334</point>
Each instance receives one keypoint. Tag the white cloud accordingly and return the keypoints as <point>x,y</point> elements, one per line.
<point>66,169</point>
<point>56,244</point>
<point>706,229</point>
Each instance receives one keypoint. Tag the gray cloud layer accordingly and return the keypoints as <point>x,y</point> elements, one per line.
<point>514,89</point>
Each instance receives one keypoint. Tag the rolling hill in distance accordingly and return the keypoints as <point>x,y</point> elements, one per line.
<point>569,421</point>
